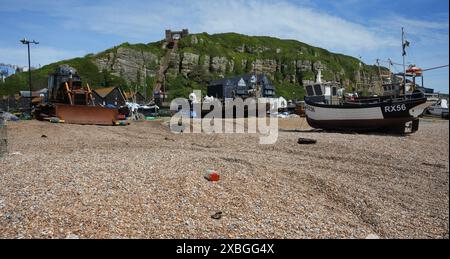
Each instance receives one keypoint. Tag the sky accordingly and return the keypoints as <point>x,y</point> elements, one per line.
<point>369,29</point>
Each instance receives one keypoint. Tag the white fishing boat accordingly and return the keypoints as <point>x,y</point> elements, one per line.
<point>373,113</point>
<point>376,114</point>
<point>439,109</point>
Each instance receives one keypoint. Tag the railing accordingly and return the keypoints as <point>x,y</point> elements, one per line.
<point>164,67</point>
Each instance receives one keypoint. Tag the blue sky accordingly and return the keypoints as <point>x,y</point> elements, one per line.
<point>370,29</point>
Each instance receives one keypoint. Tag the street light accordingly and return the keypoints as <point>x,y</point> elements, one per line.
<point>27,42</point>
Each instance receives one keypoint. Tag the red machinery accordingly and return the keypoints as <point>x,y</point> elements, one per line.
<point>71,102</point>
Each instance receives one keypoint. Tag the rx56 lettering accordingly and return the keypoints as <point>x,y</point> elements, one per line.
<point>247,249</point>
<point>395,108</point>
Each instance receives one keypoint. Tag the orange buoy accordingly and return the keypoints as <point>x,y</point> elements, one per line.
<point>414,70</point>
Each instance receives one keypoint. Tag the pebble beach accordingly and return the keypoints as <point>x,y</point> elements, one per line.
<point>142,181</point>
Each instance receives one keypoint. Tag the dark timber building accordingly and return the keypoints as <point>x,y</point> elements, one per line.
<point>109,96</point>
<point>245,86</point>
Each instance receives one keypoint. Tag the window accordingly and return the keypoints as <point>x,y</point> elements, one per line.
<point>309,90</point>
<point>318,90</point>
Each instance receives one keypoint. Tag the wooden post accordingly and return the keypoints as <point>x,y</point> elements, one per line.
<point>69,93</point>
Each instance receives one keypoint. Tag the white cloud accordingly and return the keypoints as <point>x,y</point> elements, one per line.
<point>145,21</point>
<point>140,20</point>
<point>423,31</point>
<point>286,20</point>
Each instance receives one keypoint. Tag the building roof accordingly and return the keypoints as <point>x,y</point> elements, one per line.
<point>261,79</point>
<point>103,92</point>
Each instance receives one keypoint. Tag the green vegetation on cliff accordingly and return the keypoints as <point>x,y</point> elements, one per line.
<point>201,58</point>
<point>86,68</point>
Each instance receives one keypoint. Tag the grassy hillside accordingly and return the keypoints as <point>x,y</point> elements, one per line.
<point>239,49</point>
<point>85,67</point>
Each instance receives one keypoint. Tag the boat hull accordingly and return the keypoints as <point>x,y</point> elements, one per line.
<point>387,125</point>
<point>383,116</point>
<point>438,111</point>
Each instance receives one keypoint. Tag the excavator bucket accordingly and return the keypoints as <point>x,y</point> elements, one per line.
<point>86,115</point>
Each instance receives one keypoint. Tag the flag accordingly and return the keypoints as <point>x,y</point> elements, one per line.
<point>405,45</point>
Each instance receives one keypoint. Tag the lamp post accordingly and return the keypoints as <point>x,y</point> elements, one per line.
<point>27,42</point>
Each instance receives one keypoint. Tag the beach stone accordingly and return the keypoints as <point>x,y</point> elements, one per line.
<point>72,236</point>
<point>372,236</point>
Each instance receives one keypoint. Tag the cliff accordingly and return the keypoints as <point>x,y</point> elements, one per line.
<point>203,57</point>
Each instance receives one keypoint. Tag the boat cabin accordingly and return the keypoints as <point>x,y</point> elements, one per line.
<point>330,91</point>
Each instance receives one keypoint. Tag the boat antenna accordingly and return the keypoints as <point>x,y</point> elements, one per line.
<point>362,68</point>
<point>390,64</point>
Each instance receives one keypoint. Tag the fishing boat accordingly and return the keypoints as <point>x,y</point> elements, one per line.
<point>328,109</point>
<point>374,114</point>
<point>439,109</point>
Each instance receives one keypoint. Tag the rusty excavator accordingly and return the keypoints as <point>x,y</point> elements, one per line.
<point>70,102</point>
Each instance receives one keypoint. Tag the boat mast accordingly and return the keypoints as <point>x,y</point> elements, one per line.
<point>404,45</point>
<point>390,69</point>
<point>380,75</point>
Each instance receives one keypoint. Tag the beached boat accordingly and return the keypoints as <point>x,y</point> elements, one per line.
<point>440,109</point>
<point>328,109</point>
<point>375,114</point>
